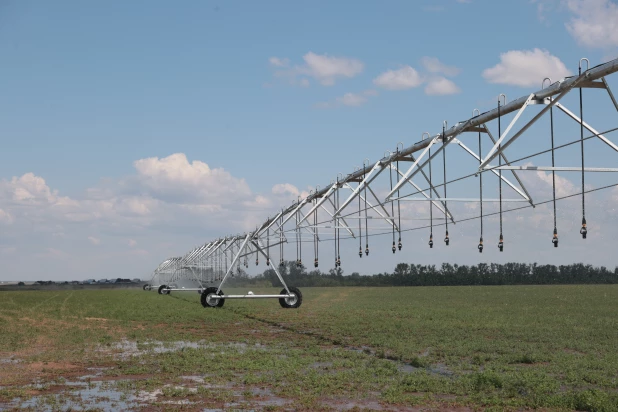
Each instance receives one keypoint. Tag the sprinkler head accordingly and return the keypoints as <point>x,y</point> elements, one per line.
<point>367,250</point>
<point>431,241</point>
<point>394,248</point>
<point>267,262</point>
<point>360,252</point>
<point>315,263</point>
<point>555,238</point>
<point>399,245</point>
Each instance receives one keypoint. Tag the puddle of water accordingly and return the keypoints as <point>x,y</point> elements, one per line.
<point>345,405</point>
<point>440,369</point>
<point>320,365</point>
<point>407,368</point>
<point>81,396</point>
<point>196,379</point>
<point>126,348</point>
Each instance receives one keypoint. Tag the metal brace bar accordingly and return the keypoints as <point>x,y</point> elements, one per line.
<point>341,219</point>
<point>383,208</point>
<point>508,129</point>
<point>370,177</point>
<point>609,91</point>
<point>503,156</point>
<point>408,175</point>
<point>440,205</point>
<point>587,126</point>
<point>558,168</point>
<point>460,199</point>
<point>388,219</point>
<point>504,179</point>
<point>229,270</point>
<point>319,202</point>
<point>534,119</point>
<point>271,223</point>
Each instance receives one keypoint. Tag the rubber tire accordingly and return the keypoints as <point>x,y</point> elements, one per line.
<point>299,299</point>
<point>207,292</point>
<point>145,287</point>
<point>161,292</point>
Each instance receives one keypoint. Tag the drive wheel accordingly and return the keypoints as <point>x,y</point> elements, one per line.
<point>146,287</point>
<point>207,300</point>
<point>163,290</point>
<point>293,302</point>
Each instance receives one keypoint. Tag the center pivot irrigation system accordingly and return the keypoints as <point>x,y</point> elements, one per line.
<point>323,214</point>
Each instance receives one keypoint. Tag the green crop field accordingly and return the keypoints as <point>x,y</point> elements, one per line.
<point>458,348</point>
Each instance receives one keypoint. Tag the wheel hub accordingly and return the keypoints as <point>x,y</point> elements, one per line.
<point>291,301</point>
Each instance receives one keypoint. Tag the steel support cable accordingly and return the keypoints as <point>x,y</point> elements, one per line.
<point>430,205</point>
<point>394,248</point>
<point>335,220</point>
<point>583,231</point>
<point>338,230</point>
<point>281,263</point>
<point>501,240</point>
<point>297,239</point>
<point>360,233</point>
<point>315,231</point>
<point>496,213</point>
<point>399,245</point>
<point>480,246</point>
<point>446,239</point>
<point>366,220</point>
<point>268,246</point>
<point>553,175</point>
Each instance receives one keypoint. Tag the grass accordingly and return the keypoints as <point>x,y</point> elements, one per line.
<point>502,347</point>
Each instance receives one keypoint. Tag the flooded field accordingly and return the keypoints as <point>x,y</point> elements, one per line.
<point>462,348</point>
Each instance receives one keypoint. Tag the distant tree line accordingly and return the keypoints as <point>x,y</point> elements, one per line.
<point>431,275</point>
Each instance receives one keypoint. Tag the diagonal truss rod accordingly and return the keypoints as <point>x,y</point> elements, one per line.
<point>587,126</point>
<point>504,179</point>
<point>388,218</point>
<point>438,205</point>
<point>495,150</point>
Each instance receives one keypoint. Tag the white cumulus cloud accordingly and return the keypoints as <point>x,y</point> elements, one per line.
<point>175,177</point>
<point>404,78</point>
<point>441,86</point>
<point>279,62</point>
<point>434,65</point>
<point>526,68</point>
<point>349,99</point>
<point>324,68</point>
<point>595,22</point>
<point>285,189</point>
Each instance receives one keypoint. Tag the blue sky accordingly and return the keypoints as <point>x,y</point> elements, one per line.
<point>271,92</point>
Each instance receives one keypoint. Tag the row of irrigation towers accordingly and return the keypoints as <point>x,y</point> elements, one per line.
<point>344,208</point>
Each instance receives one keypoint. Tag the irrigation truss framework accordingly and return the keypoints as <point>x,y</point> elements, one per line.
<point>344,208</point>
